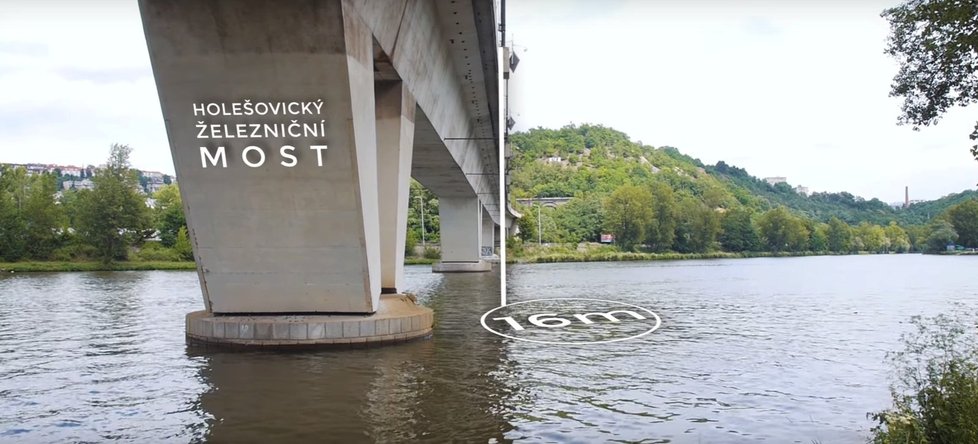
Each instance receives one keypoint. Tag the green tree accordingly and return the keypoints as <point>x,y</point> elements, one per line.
<point>43,217</point>
<point>872,237</point>
<point>17,183</point>
<point>168,214</point>
<point>917,235</point>
<point>12,242</point>
<point>627,214</point>
<point>581,218</point>
<point>113,215</point>
<point>550,231</point>
<point>899,241</point>
<point>661,232</point>
<point>839,235</point>
<point>423,205</point>
<point>820,238</point>
<point>941,234</point>
<point>964,218</point>
<point>527,225</point>
<point>410,243</point>
<point>12,226</point>
<point>182,245</point>
<point>782,231</point>
<point>698,226</point>
<point>738,232</point>
<point>936,44</point>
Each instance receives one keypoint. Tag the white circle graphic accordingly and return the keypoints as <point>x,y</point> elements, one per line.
<point>658,322</point>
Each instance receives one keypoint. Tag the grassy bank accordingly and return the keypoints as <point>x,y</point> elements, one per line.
<point>958,253</point>
<point>419,261</point>
<point>55,266</point>
<point>629,256</point>
<point>603,253</point>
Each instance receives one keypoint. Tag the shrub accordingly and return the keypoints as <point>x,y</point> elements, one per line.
<point>182,246</point>
<point>154,251</point>
<point>410,242</point>
<point>432,253</point>
<point>73,252</point>
<point>935,397</point>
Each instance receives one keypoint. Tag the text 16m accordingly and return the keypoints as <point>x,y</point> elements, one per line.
<point>551,320</point>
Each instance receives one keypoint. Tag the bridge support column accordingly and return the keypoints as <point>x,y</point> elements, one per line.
<point>395,144</point>
<point>274,136</point>
<point>461,235</point>
<point>488,237</point>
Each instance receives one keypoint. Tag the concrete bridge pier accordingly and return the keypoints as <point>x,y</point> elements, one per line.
<point>395,145</point>
<point>489,229</point>
<point>293,163</point>
<point>461,235</point>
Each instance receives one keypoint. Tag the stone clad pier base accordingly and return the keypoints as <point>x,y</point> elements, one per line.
<point>398,319</point>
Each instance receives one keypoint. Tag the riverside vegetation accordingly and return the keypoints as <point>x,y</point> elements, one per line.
<point>935,395</point>
<point>935,392</point>
<point>106,227</point>
<point>111,227</point>
<point>661,204</point>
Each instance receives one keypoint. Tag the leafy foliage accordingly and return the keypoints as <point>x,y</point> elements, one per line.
<point>627,213</point>
<point>738,232</point>
<point>113,215</point>
<point>964,218</point>
<point>168,214</point>
<point>422,206</point>
<point>936,44</point>
<point>104,223</point>
<point>935,395</point>
<point>697,208</point>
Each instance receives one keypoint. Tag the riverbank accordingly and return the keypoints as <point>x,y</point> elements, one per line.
<point>419,261</point>
<point>618,256</point>
<point>58,266</point>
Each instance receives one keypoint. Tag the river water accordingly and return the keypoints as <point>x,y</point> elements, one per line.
<point>749,350</point>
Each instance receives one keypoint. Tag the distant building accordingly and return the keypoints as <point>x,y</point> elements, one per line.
<point>776,180</point>
<point>71,171</point>
<point>152,187</point>
<point>84,184</point>
<point>802,190</point>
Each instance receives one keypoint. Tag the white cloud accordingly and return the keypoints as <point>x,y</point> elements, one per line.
<point>74,78</point>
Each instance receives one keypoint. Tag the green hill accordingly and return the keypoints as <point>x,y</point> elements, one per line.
<point>591,162</point>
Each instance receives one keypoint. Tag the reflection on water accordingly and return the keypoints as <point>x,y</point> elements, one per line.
<point>452,387</point>
<point>99,356</point>
<point>770,350</point>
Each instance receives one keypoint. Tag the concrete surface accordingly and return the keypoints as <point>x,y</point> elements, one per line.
<point>398,318</point>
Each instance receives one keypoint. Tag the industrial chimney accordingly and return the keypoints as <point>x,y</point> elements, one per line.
<point>906,197</point>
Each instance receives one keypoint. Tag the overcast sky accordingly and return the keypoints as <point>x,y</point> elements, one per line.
<point>797,89</point>
<point>74,78</point>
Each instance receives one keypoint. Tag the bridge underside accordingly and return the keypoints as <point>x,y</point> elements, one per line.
<point>295,128</point>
